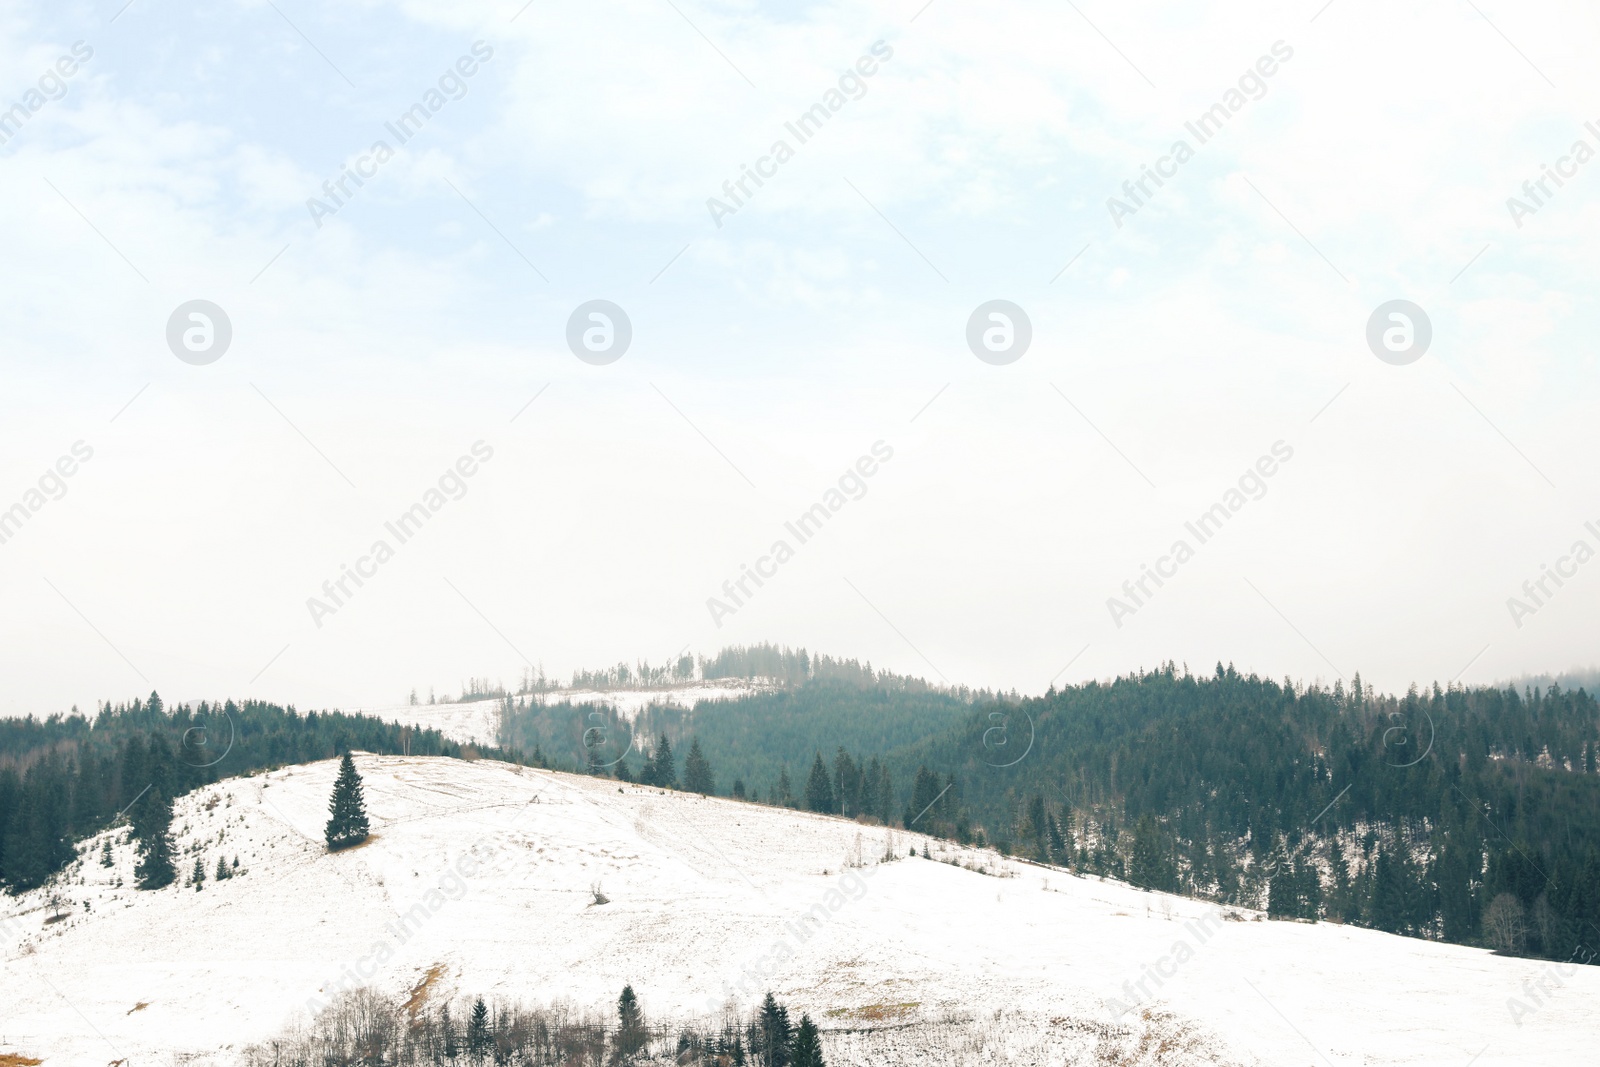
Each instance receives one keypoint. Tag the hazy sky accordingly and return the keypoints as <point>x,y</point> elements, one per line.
<point>556,154</point>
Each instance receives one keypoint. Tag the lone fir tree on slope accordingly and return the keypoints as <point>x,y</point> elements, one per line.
<point>347,813</point>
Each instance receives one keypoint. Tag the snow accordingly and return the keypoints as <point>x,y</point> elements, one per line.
<point>486,870</point>
<point>478,721</point>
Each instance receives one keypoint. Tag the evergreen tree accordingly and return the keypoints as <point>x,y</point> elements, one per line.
<point>347,811</point>
<point>1151,864</point>
<point>152,830</point>
<point>1308,890</point>
<point>1059,855</point>
<point>197,876</point>
<point>847,784</point>
<point>738,788</point>
<point>785,791</point>
<point>478,1040</point>
<point>819,793</point>
<point>772,1032</point>
<point>1282,899</point>
<point>663,769</point>
<point>105,854</point>
<point>807,1047</point>
<point>631,1035</point>
<point>697,776</point>
<point>1033,830</point>
<point>222,870</point>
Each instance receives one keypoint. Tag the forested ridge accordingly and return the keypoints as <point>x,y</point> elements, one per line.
<point>67,776</point>
<point>1462,814</point>
<point>1467,814</point>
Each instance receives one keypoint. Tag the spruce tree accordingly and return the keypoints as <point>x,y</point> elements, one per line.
<point>807,1047</point>
<point>785,790</point>
<point>819,792</point>
<point>478,1030</point>
<point>222,870</point>
<point>1058,848</point>
<point>197,877</point>
<point>347,812</point>
<point>151,816</point>
<point>697,776</point>
<point>663,771</point>
<point>772,1031</point>
<point>630,1024</point>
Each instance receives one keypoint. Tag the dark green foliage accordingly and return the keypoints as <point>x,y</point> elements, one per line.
<point>661,770</point>
<point>347,809</point>
<point>819,791</point>
<point>753,737</point>
<point>151,819</point>
<point>807,1045</point>
<point>630,1025</point>
<point>478,1039</point>
<point>933,806</point>
<point>770,1033</point>
<point>1151,864</point>
<point>697,776</point>
<point>63,778</point>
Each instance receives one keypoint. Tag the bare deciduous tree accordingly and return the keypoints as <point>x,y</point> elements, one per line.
<point>1503,924</point>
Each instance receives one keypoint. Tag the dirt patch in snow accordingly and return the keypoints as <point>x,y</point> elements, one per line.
<point>419,992</point>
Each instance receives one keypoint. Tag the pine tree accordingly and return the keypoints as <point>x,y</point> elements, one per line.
<point>738,788</point>
<point>347,812</point>
<point>197,877</point>
<point>697,776</point>
<point>222,870</point>
<point>105,854</point>
<point>819,793</point>
<point>807,1046</point>
<point>785,791</point>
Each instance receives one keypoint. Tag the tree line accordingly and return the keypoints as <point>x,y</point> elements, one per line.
<point>66,777</point>
<point>1462,814</point>
<point>360,1026</point>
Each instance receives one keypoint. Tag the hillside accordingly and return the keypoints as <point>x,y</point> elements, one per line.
<point>700,890</point>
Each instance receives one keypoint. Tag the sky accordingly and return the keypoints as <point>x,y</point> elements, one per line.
<point>984,511</point>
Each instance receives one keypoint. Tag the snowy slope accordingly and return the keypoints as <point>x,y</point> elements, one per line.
<point>495,864</point>
<point>478,721</point>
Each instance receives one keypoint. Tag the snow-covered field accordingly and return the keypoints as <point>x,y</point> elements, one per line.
<point>478,721</point>
<point>487,872</point>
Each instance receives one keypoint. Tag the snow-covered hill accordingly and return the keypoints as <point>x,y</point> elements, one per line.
<point>487,872</point>
<point>478,721</point>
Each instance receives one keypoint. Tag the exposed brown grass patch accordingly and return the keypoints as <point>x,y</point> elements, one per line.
<point>12,1059</point>
<point>141,1006</point>
<point>419,992</point>
<point>876,1013</point>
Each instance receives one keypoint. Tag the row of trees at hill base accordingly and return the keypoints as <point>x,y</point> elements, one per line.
<point>360,1026</point>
